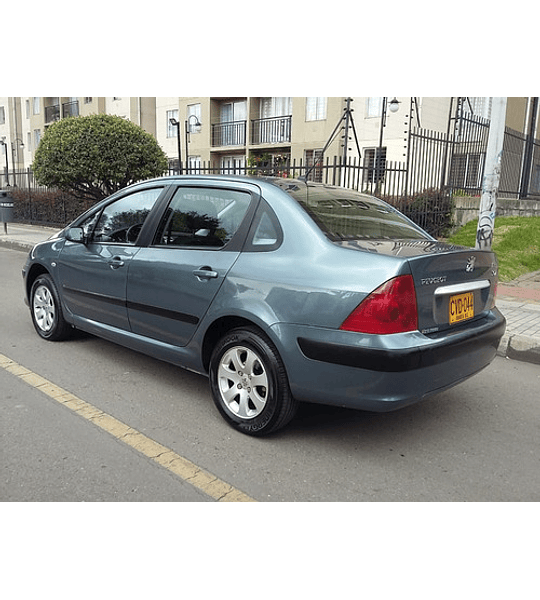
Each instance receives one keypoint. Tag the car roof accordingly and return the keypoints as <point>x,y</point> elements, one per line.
<point>284,183</point>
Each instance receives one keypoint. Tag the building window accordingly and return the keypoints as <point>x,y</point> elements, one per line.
<point>88,100</point>
<point>37,137</point>
<point>194,164</point>
<point>194,110</point>
<point>478,106</point>
<point>35,106</point>
<point>374,165</point>
<point>233,165</point>
<point>374,107</point>
<point>29,141</point>
<point>275,107</point>
<point>2,115</point>
<point>171,129</point>
<point>466,171</point>
<point>314,157</point>
<point>315,109</point>
<point>27,105</point>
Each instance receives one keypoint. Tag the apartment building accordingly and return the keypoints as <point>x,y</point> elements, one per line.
<point>23,121</point>
<point>230,133</point>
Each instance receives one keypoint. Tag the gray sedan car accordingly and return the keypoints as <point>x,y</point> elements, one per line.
<point>279,290</point>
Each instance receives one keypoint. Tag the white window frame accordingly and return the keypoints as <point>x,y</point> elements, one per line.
<point>374,107</point>
<point>193,162</point>
<point>316,108</point>
<point>195,111</point>
<point>171,129</point>
<point>480,106</point>
<point>234,164</point>
<point>313,157</point>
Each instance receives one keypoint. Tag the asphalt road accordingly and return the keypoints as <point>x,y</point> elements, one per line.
<point>477,442</point>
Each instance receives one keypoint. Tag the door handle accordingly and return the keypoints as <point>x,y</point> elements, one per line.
<point>116,262</point>
<point>205,273</point>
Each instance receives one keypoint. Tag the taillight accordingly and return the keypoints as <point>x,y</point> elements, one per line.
<point>391,308</point>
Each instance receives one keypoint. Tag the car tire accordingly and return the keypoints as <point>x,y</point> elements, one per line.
<point>46,310</point>
<point>249,383</point>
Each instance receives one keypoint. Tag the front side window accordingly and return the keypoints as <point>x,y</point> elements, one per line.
<point>202,217</point>
<point>122,221</point>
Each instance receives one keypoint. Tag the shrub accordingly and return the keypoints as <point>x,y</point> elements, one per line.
<point>95,156</point>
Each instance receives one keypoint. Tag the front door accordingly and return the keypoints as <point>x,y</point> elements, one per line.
<point>172,283</point>
<point>93,275</point>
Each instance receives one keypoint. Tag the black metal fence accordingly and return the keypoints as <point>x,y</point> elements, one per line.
<point>438,167</point>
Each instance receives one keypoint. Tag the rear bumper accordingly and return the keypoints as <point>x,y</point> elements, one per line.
<point>403,359</point>
<point>383,373</point>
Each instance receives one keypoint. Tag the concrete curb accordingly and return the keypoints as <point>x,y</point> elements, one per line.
<point>519,347</point>
<point>16,245</point>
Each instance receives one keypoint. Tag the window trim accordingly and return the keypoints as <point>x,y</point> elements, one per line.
<point>319,110</point>
<point>235,244</point>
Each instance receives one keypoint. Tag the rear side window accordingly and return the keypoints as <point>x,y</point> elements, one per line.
<point>203,217</point>
<point>348,215</point>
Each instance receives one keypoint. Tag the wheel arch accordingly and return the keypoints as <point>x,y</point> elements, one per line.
<point>35,271</point>
<point>219,328</point>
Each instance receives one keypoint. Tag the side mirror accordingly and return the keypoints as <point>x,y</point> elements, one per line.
<point>75,234</point>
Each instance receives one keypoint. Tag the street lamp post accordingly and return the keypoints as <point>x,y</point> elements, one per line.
<point>15,145</point>
<point>7,161</point>
<point>186,123</point>
<point>176,124</point>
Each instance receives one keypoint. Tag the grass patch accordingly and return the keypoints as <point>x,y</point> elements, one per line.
<point>516,241</point>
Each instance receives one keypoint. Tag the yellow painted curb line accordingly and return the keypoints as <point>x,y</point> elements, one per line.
<point>180,466</point>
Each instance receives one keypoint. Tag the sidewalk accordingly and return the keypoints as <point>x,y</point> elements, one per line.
<point>519,300</point>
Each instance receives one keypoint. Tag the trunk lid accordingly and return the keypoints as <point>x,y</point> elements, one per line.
<point>454,284</point>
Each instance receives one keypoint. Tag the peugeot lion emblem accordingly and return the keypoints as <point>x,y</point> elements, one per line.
<point>470,264</point>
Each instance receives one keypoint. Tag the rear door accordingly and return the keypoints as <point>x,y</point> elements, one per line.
<point>172,282</point>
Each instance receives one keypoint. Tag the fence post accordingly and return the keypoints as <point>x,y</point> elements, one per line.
<point>529,147</point>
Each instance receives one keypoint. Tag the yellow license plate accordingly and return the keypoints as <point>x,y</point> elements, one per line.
<point>461,307</point>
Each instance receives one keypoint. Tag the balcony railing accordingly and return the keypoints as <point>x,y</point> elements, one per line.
<point>274,130</point>
<point>70,109</point>
<point>229,134</point>
<point>52,113</point>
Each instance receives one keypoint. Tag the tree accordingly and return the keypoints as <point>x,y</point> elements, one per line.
<point>95,156</point>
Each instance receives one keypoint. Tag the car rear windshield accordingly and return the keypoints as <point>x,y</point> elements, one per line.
<point>349,215</point>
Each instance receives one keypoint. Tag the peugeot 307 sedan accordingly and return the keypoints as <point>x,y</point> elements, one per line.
<point>280,291</point>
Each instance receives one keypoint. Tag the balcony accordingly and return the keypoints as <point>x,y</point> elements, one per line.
<point>275,130</point>
<point>52,113</point>
<point>70,109</point>
<point>232,133</point>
